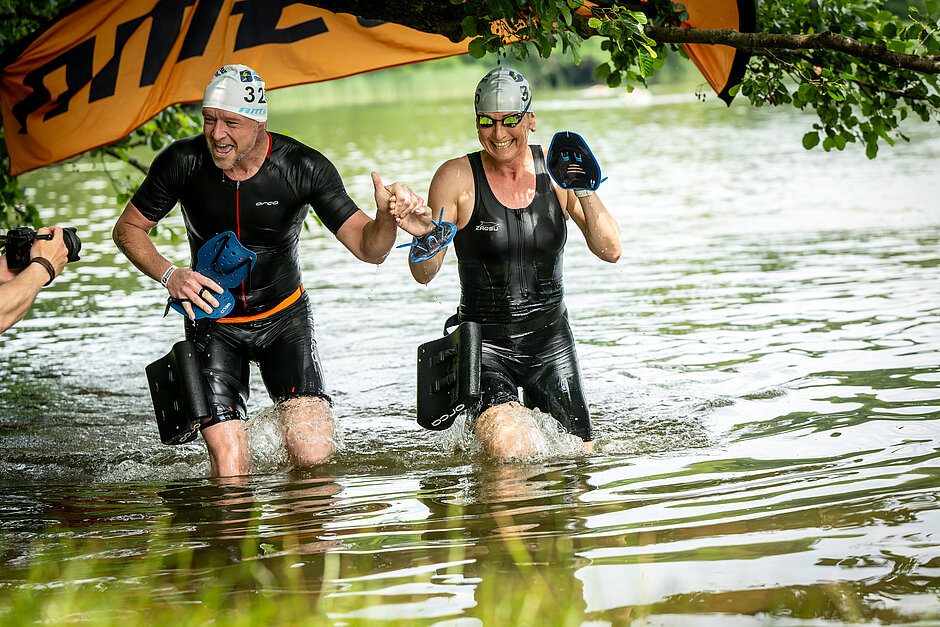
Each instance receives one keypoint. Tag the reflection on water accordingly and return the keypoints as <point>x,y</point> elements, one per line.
<point>762,368</point>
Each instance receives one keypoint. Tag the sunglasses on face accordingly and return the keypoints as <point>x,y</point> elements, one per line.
<point>509,121</point>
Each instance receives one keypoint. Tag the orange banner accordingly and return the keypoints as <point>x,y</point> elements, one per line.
<point>109,66</point>
<point>722,66</point>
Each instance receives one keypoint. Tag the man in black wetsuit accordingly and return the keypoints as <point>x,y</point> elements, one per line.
<point>511,221</point>
<point>239,177</point>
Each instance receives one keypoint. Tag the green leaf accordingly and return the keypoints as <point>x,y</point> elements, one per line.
<point>469,25</point>
<point>810,139</point>
<point>806,92</point>
<point>896,46</point>
<point>477,47</point>
<point>933,7</point>
<point>594,23</point>
<point>890,30</point>
<point>835,92</point>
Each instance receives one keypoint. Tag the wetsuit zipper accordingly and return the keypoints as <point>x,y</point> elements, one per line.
<point>238,234</point>
<point>520,229</point>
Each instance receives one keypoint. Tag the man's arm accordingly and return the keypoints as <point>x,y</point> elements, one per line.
<point>371,240</point>
<point>131,234</point>
<point>17,296</point>
<point>18,293</point>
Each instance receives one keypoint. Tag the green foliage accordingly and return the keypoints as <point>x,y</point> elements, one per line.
<point>542,25</point>
<point>854,99</point>
<point>169,125</point>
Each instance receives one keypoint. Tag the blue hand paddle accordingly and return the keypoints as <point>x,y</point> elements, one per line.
<point>423,248</point>
<point>224,260</point>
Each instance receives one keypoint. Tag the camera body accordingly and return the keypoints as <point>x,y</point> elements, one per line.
<point>19,241</point>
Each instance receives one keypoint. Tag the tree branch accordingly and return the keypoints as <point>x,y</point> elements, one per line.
<point>871,87</point>
<point>928,64</point>
<point>112,152</point>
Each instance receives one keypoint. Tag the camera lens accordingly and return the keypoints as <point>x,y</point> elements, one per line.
<point>74,245</point>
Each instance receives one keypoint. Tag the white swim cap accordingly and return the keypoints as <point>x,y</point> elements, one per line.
<point>238,89</point>
<point>503,90</point>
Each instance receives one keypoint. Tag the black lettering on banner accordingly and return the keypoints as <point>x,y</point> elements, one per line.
<point>258,27</point>
<point>197,37</point>
<point>77,62</point>
<point>167,18</point>
<point>166,21</point>
<point>259,24</point>
<point>363,22</point>
<point>102,85</point>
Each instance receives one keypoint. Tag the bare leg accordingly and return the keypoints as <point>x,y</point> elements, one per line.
<point>508,430</point>
<point>228,448</point>
<point>307,424</point>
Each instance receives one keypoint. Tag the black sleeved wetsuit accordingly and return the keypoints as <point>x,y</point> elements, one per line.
<point>266,212</point>
<point>272,321</point>
<point>510,264</point>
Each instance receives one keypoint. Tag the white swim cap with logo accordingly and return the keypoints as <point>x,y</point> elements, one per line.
<point>237,89</point>
<point>503,90</point>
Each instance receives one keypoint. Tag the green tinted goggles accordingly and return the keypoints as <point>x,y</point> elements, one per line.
<point>509,121</point>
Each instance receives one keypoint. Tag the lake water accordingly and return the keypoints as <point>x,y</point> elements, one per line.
<point>761,367</point>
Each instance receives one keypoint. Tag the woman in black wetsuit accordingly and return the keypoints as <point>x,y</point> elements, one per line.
<point>511,220</point>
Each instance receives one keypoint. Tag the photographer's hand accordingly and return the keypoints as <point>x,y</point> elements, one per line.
<point>55,251</point>
<point>193,288</point>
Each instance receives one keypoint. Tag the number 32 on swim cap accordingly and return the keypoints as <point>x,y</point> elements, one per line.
<point>237,89</point>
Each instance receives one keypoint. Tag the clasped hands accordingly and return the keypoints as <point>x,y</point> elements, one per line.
<point>411,213</point>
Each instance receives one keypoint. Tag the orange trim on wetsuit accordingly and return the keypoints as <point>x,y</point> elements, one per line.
<point>284,304</point>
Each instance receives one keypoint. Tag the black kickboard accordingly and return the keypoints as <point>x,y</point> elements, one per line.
<point>449,376</point>
<point>179,393</point>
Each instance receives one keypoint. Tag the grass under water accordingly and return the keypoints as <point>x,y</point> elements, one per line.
<point>282,583</point>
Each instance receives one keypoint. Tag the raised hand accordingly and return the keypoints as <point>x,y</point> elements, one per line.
<point>411,213</point>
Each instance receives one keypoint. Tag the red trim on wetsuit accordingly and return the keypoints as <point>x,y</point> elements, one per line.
<point>238,219</point>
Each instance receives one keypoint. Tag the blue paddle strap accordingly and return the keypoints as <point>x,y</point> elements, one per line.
<point>426,246</point>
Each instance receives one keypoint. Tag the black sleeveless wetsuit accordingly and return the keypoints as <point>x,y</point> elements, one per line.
<point>510,265</point>
<point>266,212</point>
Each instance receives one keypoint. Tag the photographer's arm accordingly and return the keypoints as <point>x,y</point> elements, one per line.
<point>17,296</point>
<point>18,289</point>
<point>131,234</point>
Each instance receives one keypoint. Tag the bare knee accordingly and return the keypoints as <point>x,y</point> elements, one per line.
<point>227,443</point>
<point>507,431</point>
<point>308,429</point>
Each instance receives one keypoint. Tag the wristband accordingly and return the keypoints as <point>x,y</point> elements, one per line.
<point>166,275</point>
<point>45,263</point>
<point>583,193</point>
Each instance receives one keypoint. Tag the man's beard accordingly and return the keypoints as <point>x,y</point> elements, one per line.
<point>238,157</point>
